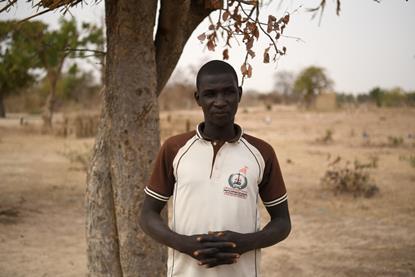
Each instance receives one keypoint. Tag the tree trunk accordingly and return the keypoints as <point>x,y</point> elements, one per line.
<point>47,115</point>
<point>2,109</point>
<point>126,144</point>
<point>128,136</point>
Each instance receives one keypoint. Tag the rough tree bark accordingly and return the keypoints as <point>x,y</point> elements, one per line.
<point>126,144</point>
<point>2,108</point>
<point>128,137</point>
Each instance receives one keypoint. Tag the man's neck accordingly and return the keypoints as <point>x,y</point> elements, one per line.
<point>222,133</point>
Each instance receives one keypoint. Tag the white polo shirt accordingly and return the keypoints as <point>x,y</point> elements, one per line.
<point>215,187</point>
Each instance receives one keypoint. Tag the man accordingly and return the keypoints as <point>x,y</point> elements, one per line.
<point>215,176</point>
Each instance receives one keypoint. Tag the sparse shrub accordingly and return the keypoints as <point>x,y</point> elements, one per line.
<point>395,141</point>
<point>410,159</point>
<point>78,125</point>
<point>268,107</point>
<point>350,179</point>
<point>327,138</point>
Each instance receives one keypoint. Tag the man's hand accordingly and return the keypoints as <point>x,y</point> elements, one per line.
<point>242,242</point>
<point>209,249</point>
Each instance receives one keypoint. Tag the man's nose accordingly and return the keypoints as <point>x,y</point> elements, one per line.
<point>220,100</point>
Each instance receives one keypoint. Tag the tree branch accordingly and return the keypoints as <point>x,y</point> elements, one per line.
<point>85,50</point>
<point>65,7</point>
<point>177,21</point>
<point>11,3</point>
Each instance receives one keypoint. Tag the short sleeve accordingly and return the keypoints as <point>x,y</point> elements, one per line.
<point>272,187</point>
<point>161,183</point>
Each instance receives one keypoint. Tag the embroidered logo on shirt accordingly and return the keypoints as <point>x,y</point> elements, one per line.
<point>237,182</point>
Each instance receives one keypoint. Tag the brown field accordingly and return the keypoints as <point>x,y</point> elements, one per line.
<point>42,187</point>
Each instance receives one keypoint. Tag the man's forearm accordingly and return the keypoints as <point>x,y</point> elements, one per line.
<point>275,231</point>
<point>154,226</point>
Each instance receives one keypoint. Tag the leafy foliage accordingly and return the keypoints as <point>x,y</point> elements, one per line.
<point>17,54</point>
<point>310,82</point>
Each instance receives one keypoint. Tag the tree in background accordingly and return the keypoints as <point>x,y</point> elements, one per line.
<point>53,49</point>
<point>284,82</point>
<point>94,42</point>
<point>395,97</point>
<point>17,57</point>
<point>78,86</point>
<point>310,82</point>
<point>51,55</point>
<point>377,95</point>
<point>33,46</point>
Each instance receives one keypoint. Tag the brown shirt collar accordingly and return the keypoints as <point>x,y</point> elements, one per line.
<point>201,126</point>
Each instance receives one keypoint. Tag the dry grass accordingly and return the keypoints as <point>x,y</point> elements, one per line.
<point>331,235</point>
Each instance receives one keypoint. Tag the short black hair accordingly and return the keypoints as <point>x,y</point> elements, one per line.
<point>215,67</point>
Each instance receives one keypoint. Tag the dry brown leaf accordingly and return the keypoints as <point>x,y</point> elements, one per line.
<point>244,70</point>
<point>211,45</point>
<point>225,15</point>
<point>256,33</point>
<point>286,19</point>
<point>266,55</point>
<point>225,54</point>
<point>250,43</point>
<point>270,23</point>
<point>202,37</point>
<point>249,71</point>
<point>276,26</point>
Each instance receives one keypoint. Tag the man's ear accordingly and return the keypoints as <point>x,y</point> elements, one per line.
<point>240,93</point>
<point>196,96</point>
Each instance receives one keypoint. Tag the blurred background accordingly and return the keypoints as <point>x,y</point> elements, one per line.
<point>338,109</point>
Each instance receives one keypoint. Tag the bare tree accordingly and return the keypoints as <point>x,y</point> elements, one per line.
<point>284,81</point>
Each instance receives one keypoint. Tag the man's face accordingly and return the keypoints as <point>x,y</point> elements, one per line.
<point>219,96</point>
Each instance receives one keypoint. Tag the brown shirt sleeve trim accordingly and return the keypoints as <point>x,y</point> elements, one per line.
<point>276,201</point>
<point>162,180</point>
<point>156,195</point>
<point>272,187</point>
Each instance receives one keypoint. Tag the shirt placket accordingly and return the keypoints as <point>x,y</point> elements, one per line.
<point>217,164</point>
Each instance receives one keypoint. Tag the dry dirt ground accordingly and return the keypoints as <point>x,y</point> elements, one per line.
<point>42,186</point>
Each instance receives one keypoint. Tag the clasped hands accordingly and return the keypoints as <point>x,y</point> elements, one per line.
<point>215,248</point>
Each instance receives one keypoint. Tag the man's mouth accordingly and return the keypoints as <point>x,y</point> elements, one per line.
<point>220,113</point>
